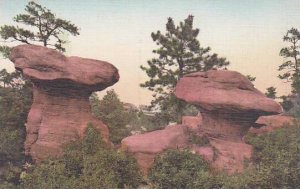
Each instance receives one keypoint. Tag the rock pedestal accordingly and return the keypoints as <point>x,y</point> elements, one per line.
<point>229,106</point>
<point>62,85</point>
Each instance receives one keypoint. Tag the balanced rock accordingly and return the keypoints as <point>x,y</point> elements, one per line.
<point>228,102</point>
<point>62,85</point>
<point>229,105</point>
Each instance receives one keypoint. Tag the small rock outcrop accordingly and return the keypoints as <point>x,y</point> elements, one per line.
<point>265,124</point>
<point>62,85</point>
<point>145,147</point>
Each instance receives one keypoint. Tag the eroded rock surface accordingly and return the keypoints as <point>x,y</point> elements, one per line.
<point>228,102</point>
<point>62,85</point>
<point>229,106</point>
<point>192,122</point>
<point>145,147</point>
<point>265,124</point>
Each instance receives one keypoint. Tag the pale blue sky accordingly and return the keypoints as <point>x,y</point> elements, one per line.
<point>248,32</point>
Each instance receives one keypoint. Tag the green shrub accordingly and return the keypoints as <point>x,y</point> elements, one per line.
<point>275,165</point>
<point>276,162</point>
<point>197,139</point>
<point>50,174</point>
<point>15,101</point>
<point>86,164</point>
<point>110,169</point>
<point>277,159</point>
<point>10,174</point>
<point>11,145</point>
<point>143,122</point>
<point>178,169</point>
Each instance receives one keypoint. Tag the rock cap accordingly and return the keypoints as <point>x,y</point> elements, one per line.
<point>48,66</point>
<point>224,91</point>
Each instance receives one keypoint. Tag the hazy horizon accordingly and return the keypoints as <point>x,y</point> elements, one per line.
<point>248,33</point>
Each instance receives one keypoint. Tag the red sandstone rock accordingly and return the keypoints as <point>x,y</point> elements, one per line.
<point>192,122</point>
<point>224,91</point>
<point>61,88</point>
<point>231,156</point>
<point>228,102</point>
<point>229,106</point>
<point>145,147</point>
<point>206,152</point>
<point>270,123</point>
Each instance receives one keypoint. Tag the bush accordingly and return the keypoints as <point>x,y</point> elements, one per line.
<point>110,169</point>
<point>143,122</point>
<point>50,174</point>
<point>15,101</point>
<point>276,162</point>
<point>179,169</point>
<point>86,164</point>
<point>10,174</point>
<point>11,145</point>
<point>277,159</point>
<point>275,165</point>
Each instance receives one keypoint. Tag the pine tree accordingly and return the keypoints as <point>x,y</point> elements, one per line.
<point>292,64</point>
<point>111,111</point>
<point>271,92</point>
<point>179,53</point>
<point>45,29</point>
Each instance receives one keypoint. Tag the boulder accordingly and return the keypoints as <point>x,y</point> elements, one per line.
<point>269,123</point>
<point>62,85</point>
<point>145,147</point>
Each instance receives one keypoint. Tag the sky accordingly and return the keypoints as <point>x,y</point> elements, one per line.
<point>247,32</point>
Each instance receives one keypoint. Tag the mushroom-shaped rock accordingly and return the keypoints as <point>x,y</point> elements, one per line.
<point>145,147</point>
<point>62,85</point>
<point>228,102</point>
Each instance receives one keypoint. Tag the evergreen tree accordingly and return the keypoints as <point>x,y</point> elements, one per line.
<point>271,92</point>
<point>179,53</point>
<point>15,101</point>
<point>41,27</point>
<point>111,111</point>
<point>251,78</point>
<point>292,64</point>
<point>45,28</point>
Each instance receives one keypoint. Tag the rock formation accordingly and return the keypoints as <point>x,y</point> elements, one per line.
<point>265,124</point>
<point>62,85</point>
<point>229,106</point>
<point>145,147</point>
<point>228,102</point>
